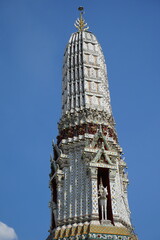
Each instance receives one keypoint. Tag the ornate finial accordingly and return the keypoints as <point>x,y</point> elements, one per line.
<point>80,22</point>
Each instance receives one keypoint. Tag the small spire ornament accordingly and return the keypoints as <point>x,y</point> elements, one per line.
<point>80,22</point>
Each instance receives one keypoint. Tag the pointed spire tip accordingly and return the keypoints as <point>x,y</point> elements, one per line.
<point>80,22</point>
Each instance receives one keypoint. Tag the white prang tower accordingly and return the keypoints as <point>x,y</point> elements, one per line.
<point>88,181</point>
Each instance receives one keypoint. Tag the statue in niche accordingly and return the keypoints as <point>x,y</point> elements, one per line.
<point>102,200</point>
<point>103,193</point>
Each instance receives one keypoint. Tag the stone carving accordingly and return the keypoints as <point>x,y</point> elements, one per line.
<point>102,201</point>
<point>86,115</point>
<point>103,193</point>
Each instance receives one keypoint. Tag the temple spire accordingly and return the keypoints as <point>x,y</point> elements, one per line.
<point>87,180</point>
<point>80,22</point>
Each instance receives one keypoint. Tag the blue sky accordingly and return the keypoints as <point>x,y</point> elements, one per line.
<point>33,36</point>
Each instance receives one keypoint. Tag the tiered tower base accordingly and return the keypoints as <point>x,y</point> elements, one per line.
<point>86,232</point>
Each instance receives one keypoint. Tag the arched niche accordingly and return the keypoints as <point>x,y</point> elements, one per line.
<point>103,178</point>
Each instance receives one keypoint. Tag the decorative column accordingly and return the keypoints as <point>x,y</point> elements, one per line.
<point>112,177</point>
<point>60,206</point>
<point>94,196</point>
